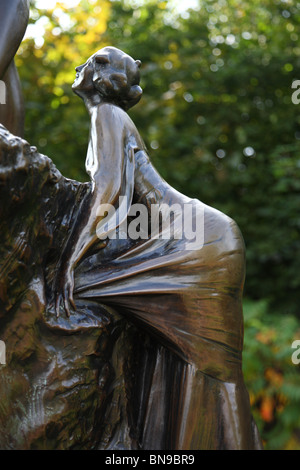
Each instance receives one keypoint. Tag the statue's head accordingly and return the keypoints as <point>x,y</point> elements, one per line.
<point>113,75</point>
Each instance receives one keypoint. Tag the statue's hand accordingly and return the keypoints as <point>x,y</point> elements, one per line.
<point>63,291</point>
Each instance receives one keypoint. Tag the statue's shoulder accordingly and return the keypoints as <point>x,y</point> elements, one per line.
<point>111,109</point>
<point>116,122</point>
<point>111,118</point>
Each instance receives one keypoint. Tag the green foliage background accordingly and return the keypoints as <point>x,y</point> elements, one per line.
<point>220,125</point>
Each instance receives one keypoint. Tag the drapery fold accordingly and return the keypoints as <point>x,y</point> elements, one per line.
<point>151,359</point>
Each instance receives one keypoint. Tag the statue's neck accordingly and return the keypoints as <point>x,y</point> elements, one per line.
<point>92,101</point>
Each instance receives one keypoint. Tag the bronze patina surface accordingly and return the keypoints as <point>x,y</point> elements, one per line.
<point>117,343</point>
<point>14,16</point>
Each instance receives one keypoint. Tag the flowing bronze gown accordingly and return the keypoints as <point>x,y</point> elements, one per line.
<point>152,357</point>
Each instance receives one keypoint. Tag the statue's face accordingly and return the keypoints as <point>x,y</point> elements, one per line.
<point>83,82</point>
<point>102,64</point>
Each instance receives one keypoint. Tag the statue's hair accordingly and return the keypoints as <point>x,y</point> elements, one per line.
<point>121,85</point>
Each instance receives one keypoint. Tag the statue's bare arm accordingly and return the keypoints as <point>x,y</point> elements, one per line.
<point>105,164</point>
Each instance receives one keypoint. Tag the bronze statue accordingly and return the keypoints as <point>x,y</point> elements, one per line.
<point>13,22</point>
<point>115,342</point>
